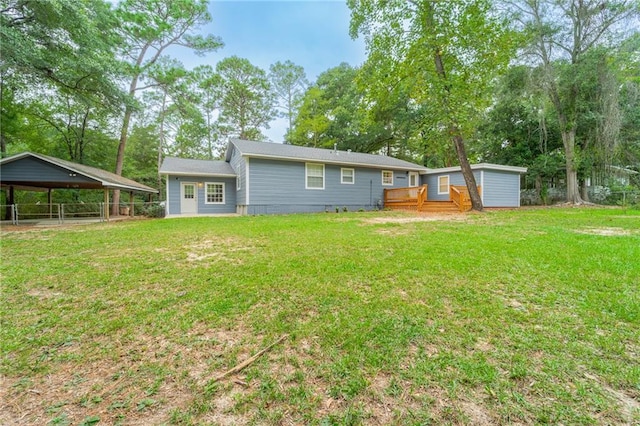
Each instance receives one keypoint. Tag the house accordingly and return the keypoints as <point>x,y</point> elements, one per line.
<point>268,178</point>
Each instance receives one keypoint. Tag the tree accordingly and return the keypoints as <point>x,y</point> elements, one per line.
<point>311,123</point>
<point>149,28</point>
<point>206,84</point>
<point>450,50</point>
<point>246,99</point>
<point>67,43</point>
<point>331,112</point>
<point>561,34</point>
<point>289,82</point>
<point>520,130</point>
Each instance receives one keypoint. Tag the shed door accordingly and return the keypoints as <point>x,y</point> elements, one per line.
<point>188,198</point>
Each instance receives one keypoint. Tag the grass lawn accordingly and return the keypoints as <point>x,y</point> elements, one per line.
<point>508,317</point>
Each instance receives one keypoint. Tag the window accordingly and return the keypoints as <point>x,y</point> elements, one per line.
<point>387,177</point>
<point>315,176</point>
<point>443,184</point>
<point>189,192</point>
<point>413,179</point>
<point>214,193</point>
<point>347,176</point>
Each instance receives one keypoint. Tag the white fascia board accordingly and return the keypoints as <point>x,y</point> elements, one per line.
<point>192,174</point>
<point>481,166</point>
<point>345,163</point>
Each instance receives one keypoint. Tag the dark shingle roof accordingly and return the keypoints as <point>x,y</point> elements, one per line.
<point>104,178</point>
<point>182,166</point>
<point>303,153</point>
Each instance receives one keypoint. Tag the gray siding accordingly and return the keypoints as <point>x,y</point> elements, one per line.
<point>455,178</point>
<point>501,189</point>
<point>238,162</point>
<point>229,206</point>
<point>33,170</point>
<point>279,187</point>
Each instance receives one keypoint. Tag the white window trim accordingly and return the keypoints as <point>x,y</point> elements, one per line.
<point>306,176</point>
<point>206,186</point>
<point>448,184</point>
<point>387,171</point>
<point>353,176</point>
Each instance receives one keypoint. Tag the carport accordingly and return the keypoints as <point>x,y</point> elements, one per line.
<point>38,172</point>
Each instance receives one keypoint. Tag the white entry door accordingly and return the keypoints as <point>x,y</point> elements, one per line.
<point>413,178</point>
<point>188,198</point>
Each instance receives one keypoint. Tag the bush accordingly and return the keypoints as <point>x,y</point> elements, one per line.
<point>153,210</point>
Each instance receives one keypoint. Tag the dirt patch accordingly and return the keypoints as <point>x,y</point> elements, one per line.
<point>42,293</point>
<point>419,217</point>
<point>605,231</point>
<point>477,414</point>
<point>222,249</point>
<point>629,406</point>
<point>134,380</point>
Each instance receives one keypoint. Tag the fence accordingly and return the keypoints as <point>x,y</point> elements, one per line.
<point>65,212</point>
<point>597,194</point>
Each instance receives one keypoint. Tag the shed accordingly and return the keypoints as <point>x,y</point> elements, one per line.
<point>499,184</point>
<point>38,172</point>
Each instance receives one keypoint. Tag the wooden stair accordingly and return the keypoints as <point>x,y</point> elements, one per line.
<point>439,207</point>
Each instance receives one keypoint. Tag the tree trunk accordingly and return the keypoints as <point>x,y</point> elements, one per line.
<point>467,173</point>
<point>573,189</point>
<point>120,156</point>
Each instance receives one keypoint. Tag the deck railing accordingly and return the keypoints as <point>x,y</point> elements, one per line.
<point>406,197</point>
<point>459,195</point>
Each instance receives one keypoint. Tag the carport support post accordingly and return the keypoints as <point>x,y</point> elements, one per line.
<point>49,198</point>
<point>106,205</point>
<point>131,211</point>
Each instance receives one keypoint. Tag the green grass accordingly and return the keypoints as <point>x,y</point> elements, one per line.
<point>528,316</point>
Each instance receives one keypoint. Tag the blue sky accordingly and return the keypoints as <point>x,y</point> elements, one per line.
<point>313,34</point>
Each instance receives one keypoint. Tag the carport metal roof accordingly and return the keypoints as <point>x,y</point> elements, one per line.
<point>37,171</point>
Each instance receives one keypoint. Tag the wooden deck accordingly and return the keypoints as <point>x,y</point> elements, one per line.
<point>415,199</point>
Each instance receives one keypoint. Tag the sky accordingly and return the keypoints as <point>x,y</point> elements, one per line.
<point>312,34</point>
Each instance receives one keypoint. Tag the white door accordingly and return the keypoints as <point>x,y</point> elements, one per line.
<point>188,198</point>
<point>413,178</point>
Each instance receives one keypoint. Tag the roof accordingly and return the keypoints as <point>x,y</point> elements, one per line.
<point>302,153</point>
<point>480,166</point>
<point>186,167</point>
<point>95,178</point>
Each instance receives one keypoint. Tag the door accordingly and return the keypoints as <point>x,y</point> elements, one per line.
<point>188,198</point>
<point>413,178</point>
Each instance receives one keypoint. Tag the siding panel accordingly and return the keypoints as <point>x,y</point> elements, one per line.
<point>282,183</point>
<point>229,206</point>
<point>33,170</point>
<point>502,189</point>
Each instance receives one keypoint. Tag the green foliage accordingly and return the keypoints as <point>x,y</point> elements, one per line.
<point>288,82</point>
<point>567,42</point>
<point>246,99</point>
<point>69,44</point>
